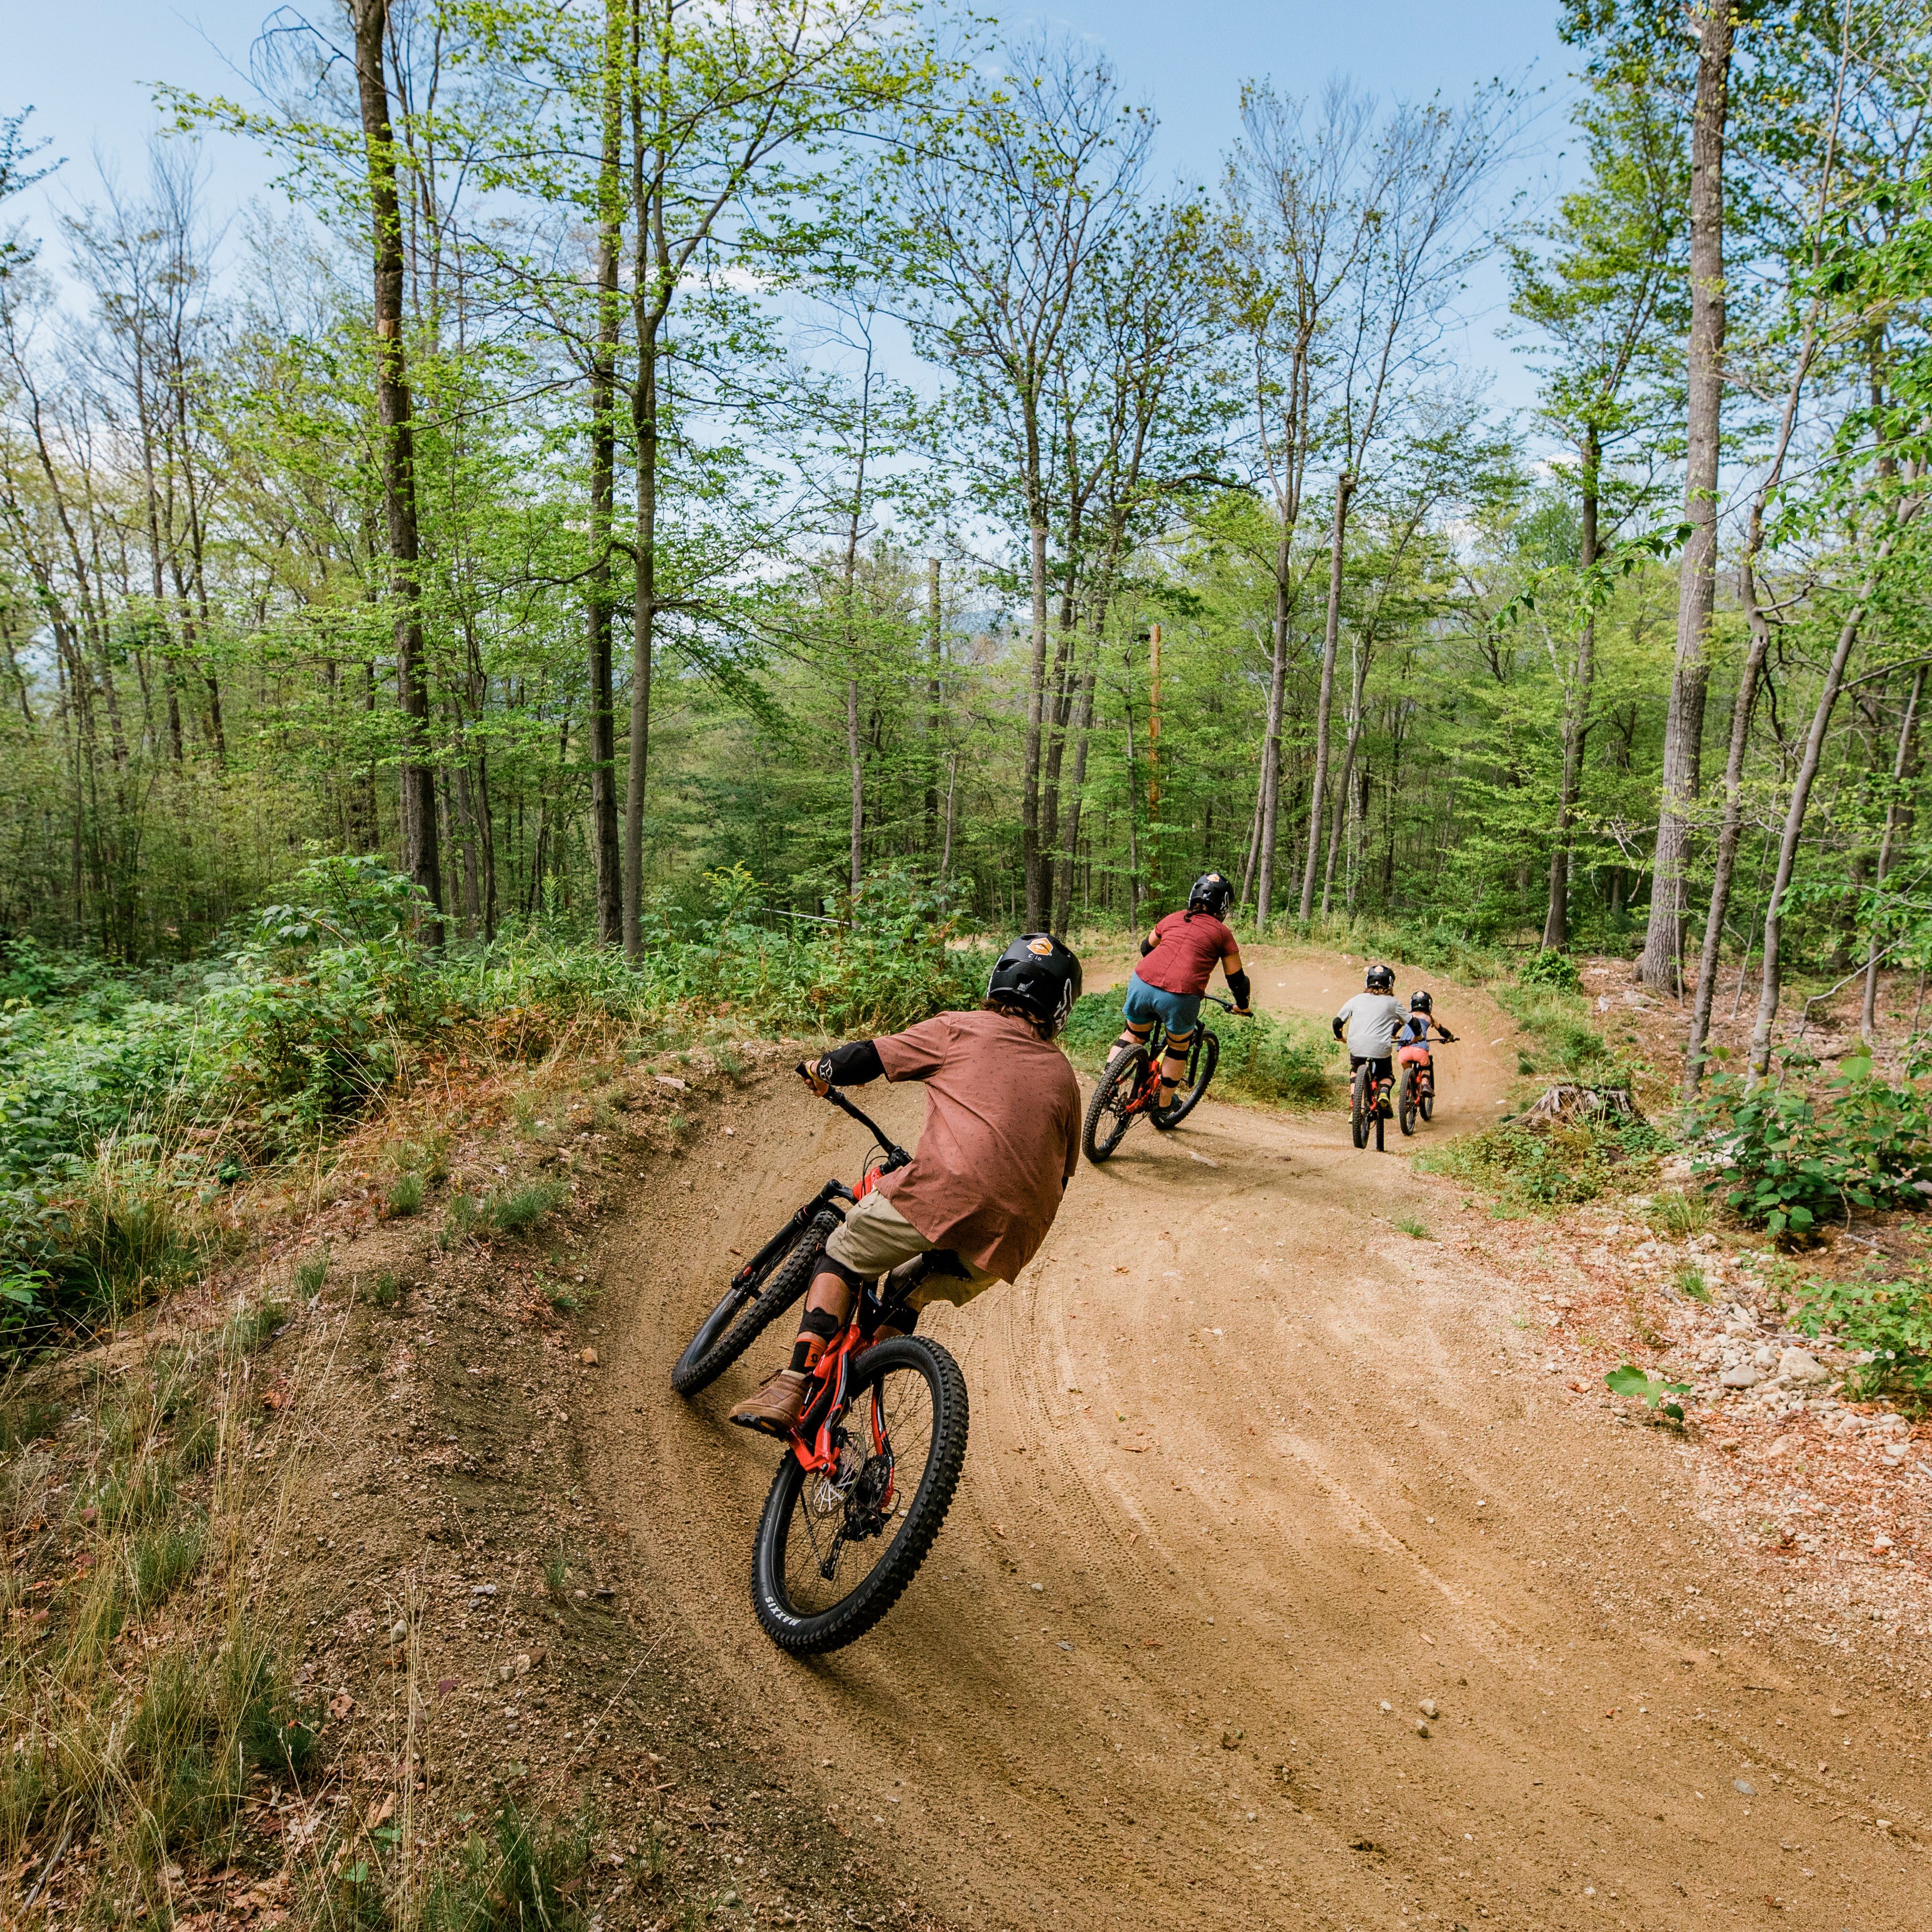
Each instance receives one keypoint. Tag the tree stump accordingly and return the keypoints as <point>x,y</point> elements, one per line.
<point>1567,1101</point>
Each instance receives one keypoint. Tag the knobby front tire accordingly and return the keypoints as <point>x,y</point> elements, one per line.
<point>1107,1117</point>
<point>1202,1059</point>
<point>1406,1101</point>
<point>922,1397</point>
<point>1359,1104</point>
<point>740,1317</point>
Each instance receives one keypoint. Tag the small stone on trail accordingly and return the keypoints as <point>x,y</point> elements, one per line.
<point>1744,1376</point>
<point>588,1358</point>
<point>1800,1365</point>
<point>1387,1706</point>
<point>1421,1729</point>
<point>1427,1707</point>
<point>1749,1791</point>
<point>399,1632</point>
<point>1206,1160</point>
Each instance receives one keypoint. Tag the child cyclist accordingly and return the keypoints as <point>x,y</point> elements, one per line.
<point>1412,1041</point>
<point>1372,1020</point>
<point>1177,958</point>
<point>1000,1142</point>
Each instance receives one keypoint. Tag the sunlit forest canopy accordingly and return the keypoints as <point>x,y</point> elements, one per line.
<point>810,440</point>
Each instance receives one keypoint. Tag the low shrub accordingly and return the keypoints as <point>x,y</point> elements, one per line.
<point>523,1872</point>
<point>1535,1164</point>
<point>406,1194</point>
<point>1785,1156</point>
<point>521,1208</point>
<point>1891,1320</point>
<point>1546,967</point>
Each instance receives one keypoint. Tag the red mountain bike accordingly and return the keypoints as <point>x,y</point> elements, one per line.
<point>869,1473</point>
<point>1130,1087</point>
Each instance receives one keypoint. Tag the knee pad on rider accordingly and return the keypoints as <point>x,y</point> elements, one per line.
<point>819,1321</point>
<point>1178,1043</point>
<point>830,1263</point>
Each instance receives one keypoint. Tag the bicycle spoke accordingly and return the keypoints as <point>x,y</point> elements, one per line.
<point>844,1520</point>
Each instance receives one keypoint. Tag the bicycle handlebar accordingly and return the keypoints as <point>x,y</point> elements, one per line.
<point>895,1154</point>
<point>1229,1007</point>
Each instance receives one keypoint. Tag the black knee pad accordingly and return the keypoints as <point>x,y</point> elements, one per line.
<point>820,1321</point>
<point>851,1276</point>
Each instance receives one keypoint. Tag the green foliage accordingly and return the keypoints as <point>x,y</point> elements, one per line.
<point>523,1873</point>
<point>1630,1381</point>
<point>1890,1318</point>
<point>1787,1157</point>
<point>250,1330</point>
<point>1544,968</point>
<point>1413,1226</point>
<point>1536,1166</point>
<point>405,1193</point>
<point>310,1273</point>
<point>1690,1281</point>
<point>520,1209</point>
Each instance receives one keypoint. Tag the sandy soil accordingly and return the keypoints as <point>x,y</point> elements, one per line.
<point>1280,1588</point>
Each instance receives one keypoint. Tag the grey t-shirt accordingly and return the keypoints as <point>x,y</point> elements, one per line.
<point>1372,1019</point>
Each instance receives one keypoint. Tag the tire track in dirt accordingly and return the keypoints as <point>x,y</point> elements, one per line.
<point>1246,1467</point>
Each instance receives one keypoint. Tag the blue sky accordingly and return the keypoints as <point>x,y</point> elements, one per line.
<point>86,67</point>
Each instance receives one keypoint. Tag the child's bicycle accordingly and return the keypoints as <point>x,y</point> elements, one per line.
<point>1415,1087</point>
<point>1368,1106</point>
<point>1131,1086</point>
<point>869,1472</point>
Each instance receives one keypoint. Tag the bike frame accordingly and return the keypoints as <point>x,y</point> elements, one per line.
<point>1148,1094</point>
<point>814,1440</point>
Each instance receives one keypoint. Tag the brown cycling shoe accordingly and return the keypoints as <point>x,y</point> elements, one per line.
<point>775,1409</point>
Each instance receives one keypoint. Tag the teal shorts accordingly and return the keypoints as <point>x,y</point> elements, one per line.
<point>1177,1012</point>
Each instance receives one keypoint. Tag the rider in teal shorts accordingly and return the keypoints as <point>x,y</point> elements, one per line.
<point>1178,957</point>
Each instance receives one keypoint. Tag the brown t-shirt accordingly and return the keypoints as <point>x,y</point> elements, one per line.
<point>1186,950</point>
<point>1001,1138</point>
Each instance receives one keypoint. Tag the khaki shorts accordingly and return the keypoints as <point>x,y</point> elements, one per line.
<point>876,1237</point>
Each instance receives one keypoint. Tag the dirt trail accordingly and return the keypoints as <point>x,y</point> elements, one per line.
<point>1254,1478</point>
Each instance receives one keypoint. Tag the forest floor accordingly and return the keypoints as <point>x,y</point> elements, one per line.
<point>1303,1572</point>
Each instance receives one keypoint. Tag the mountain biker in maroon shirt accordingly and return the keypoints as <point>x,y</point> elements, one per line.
<point>1177,958</point>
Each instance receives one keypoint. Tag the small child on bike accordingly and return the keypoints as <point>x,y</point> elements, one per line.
<point>1000,1141</point>
<point>1178,957</point>
<point>1372,1019</point>
<point>1412,1041</point>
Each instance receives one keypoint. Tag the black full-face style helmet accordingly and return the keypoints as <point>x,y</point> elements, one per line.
<point>1382,978</point>
<point>1040,976</point>
<point>1421,1002</point>
<point>1210,893</point>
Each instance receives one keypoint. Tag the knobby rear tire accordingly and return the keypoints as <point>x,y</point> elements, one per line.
<point>737,1321</point>
<point>1358,1106</point>
<point>809,1635</point>
<point>1202,1059</point>
<point>1106,1123</point>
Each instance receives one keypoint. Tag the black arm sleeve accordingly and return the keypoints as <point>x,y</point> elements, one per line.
<point>1336,1023</point>
<point>851,1066</point>
<point>1147,945</point>
<point>1238,984</point>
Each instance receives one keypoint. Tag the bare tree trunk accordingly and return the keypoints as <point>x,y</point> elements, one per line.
<point>1133,835</point>
<point>606,852</point>
<point>932,697</point>
<point>1030,840</point>
<point>1271,785</point>
<point>1894,818</point>
<point>393,410</point>
<point>1318,787</point>
<point>1794,815</point>
<point>1731,829</point>
<point>854,751</point>
<point>1659,967</point>
<point>1576,715</point>
<point>1083,721</point>
<point>1355,705</point>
